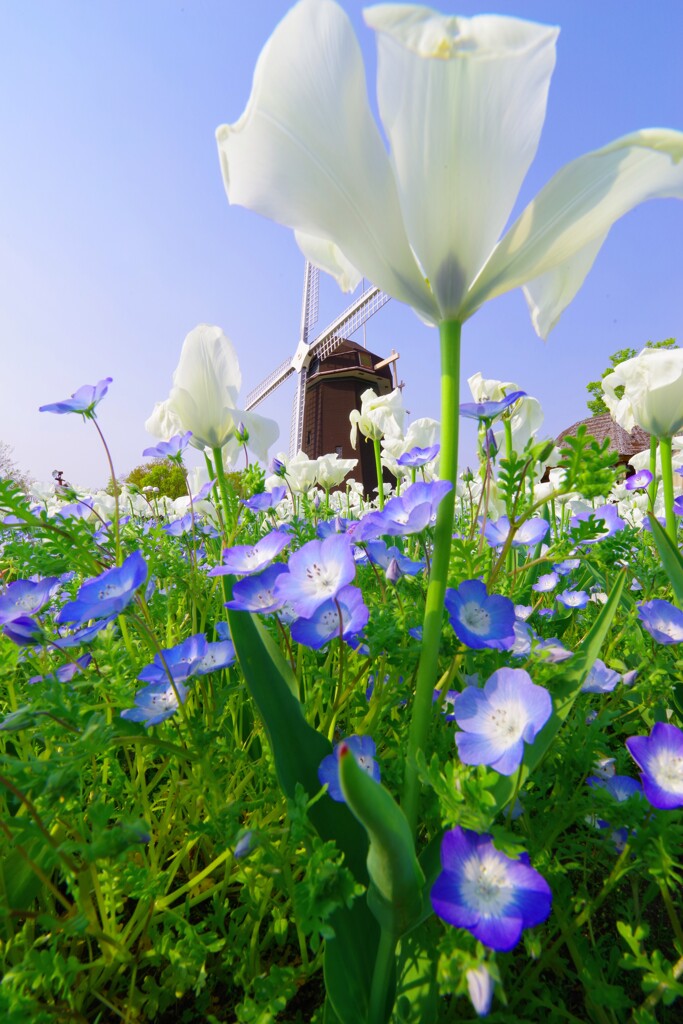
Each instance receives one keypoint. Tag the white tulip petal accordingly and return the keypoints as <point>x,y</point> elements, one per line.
<point>262,431</point>
<point>549,295</point>
<point>307,153</point>
<point>560,229</point>
<point>327,256</point>
<point>463,102</point>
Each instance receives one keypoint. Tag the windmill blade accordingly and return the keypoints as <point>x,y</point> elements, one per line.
<point>353,317</point>
<point>296,435</point>
<point>267,386</point>
<point>309,304</point>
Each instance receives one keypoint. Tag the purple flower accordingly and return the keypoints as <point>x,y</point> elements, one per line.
<point>155,703</point>
<point>418,457</point>
<point>363,749</point>
<point>600,679</point>
<point>247,559</point>
<point>498,720</point>
<point>257,593</point>
<point>532,531</point>
<point>639,481</point>
<point>606,517</point>
<point>564,568</point>
<point>84,636</point>
<point>660,756</point>
<point>324,625</point>
<point>552,651</point>
<point>171,449</point>
<point>662,620</point>
<point>65,673</point>
<point>24,631</point>
<point>317,572</point>
<point>82,401</point>
<point>546,583</point>
<point>381,555</point>
<point>106,594</point>
<point>489,410</point>
<point>621,788</point>
<point>182,661</point>
<point>403,516</point>
<point>266,500</point>
<point>481,620</point>
<point>573,598</point>
<point>26,597</point>
<point>492,896</point>
<point>480,989</point>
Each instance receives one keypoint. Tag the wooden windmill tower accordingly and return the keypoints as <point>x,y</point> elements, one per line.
<point>333,372</point>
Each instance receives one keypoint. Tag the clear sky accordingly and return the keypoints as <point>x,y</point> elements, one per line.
<point>116,237</point>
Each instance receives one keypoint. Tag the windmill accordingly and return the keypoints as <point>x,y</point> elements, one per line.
<point>332,373</point>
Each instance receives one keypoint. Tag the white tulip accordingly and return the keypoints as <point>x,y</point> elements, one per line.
<point>652,396</point>
<point>379,416</point>
<point>330,470</point>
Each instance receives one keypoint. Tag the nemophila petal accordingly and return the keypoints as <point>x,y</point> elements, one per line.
<point>317,572</point>
<point>106,594</point>
<point>256,593</point>
<point>181,661</point>
<point>247,559</point>
<point>325,624</point>
<point>82,401</point>
<point>381,555</point>
<point>660,756</point>
<point>662,620</point>
<point>220,654</point>
<point>418,457</point>
<point>499,719</point>
<point>24,631</point>
<point>265,501</point>
<point>363,749</point>
<point>84,636</point>
<point>489,410</point>
<point>551,650</point>
<point>155,703</point>
<point>489,894</point>
<point>600,679</point>
<point>26,597</point>
<point>480,620</point>
<point>620,787</point>
<point>639,481</point>
<point>545,583</point>
<point>567,566</point>
<point>606,517</point>
<point>573,598</point>
<point>532,531</point>
<point>170,449</point>
<point>65,673</point>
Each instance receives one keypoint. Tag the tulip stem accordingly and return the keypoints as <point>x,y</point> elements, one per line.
<point>652,489</point>
<point>378,467</point>
<point>668,486</point>
<point>449,332</point>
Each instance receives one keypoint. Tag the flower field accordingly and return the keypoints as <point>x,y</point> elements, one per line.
<point>290,748</point>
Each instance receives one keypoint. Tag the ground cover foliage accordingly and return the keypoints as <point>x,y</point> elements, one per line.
<point>181,871</point>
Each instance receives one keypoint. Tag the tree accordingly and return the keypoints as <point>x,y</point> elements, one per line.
<point>9,469</point>
<point>167,476</point>
<point>596,404</point>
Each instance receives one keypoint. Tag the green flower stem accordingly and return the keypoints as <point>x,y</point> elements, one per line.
<point>449,332</point>
<point>384,966</point>
<point>668,485</point>
<point>226,494</point>
<point>652,489</point>
<point>378,466</point>
<point>114,483</point>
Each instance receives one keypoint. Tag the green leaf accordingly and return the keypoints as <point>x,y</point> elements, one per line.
<point>565,691</point>
<point>347,967</point>
<point>671,558</point>
<point>396,878</point>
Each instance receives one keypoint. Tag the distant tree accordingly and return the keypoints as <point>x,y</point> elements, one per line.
<point>9,469</point>
<point>161,473</point>
<point>596,404</point>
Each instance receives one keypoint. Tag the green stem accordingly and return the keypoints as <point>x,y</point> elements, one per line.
<point>117,514</point>
<point>381,978</point>
<point>226,494</point>
<point>652,488</point>
<point>378,466</point>
<point>449,332</point>
<point>668,485</point>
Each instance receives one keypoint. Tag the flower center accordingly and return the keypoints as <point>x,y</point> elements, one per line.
<point>485,887</point>
<point>667,771</point>
<point>476,619</point>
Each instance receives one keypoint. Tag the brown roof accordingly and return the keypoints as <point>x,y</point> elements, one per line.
<point>601,427</point>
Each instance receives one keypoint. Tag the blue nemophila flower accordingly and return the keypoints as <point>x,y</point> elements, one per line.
<point>600,679</point>
<point>24,631</point>
<point>545,583</point>
<point>660,756</point>
<point>264,501</point>
<point>106,594</point>
<point>381,555</point>
<point>171,449</point>
<point>490,410</point>
<point>66,672</point>
<point>532,531</point>
<point>83,636</point>
<point>155,703</point>
<point>316,573</point>
<point>182,661</point>
<point>498,720</point>
<point>82,401</point>
<point>639,481</point>
<point>493,896</point>
<point>573,598</point>
<point>326,623</point>
<point>621,788</point>
<point>551,651</point>
<point>338,524</point>
<point>26,597</point>
<point>363,749</point>
<point>479,619</point>
<point>257,593</point>
<point>662,620</point>
<point>247,559</point>
<point>605,517</point>
<point>565,567</point>
<point>418,457</point>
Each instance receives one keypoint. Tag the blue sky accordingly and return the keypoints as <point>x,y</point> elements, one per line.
<point>116,237</point>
